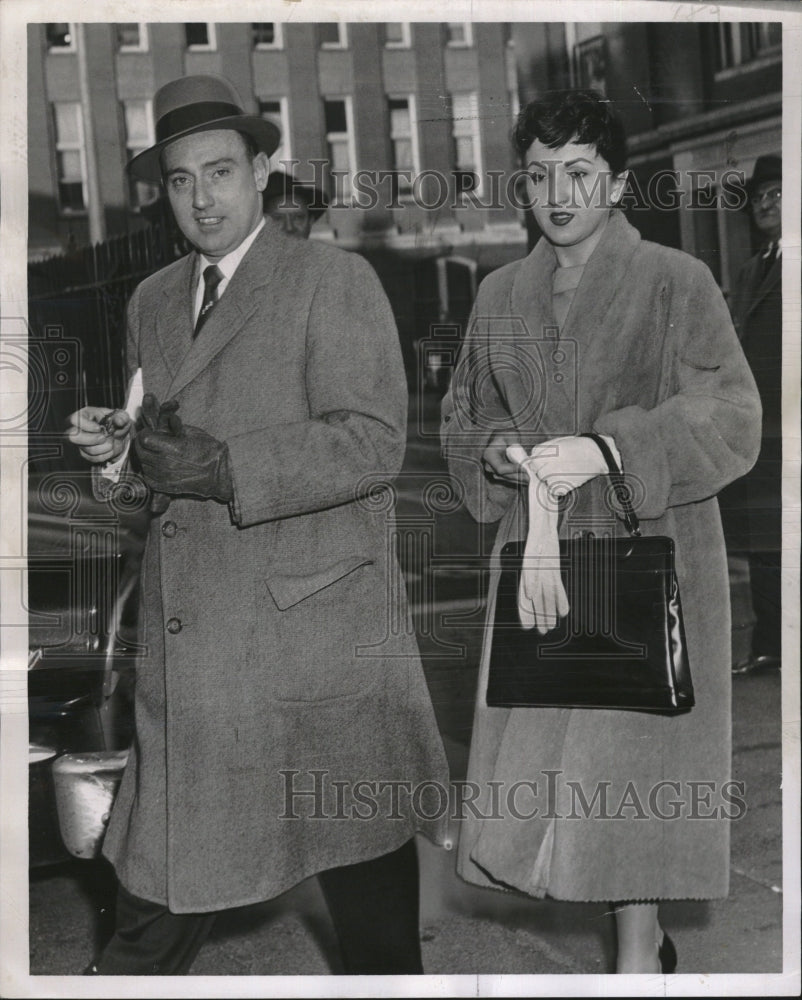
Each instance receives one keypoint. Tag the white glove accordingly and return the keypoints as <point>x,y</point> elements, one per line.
<point>541,595</point>
<point>565,463</point>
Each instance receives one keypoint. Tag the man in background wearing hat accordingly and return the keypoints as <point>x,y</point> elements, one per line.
<point>295,206</point>
<point>757,499</point>
<point>276,684</point>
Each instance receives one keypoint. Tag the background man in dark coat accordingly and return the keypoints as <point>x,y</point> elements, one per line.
<point>282,716</point>
<point>295,206</point>
<point>755,502</point>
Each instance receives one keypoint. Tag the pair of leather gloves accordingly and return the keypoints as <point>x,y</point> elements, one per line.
<point>178,459</point>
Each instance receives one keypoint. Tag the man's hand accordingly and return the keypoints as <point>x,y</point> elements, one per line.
<point>99,433</point>
<point>497,463</point>
<point>184,461</point>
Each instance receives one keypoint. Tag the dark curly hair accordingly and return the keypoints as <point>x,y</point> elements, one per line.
<point>582,116</point>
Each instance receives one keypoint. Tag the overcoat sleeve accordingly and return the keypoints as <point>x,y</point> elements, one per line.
<point>706,432</point>
<point>472,413</point>
<point>357,400</point>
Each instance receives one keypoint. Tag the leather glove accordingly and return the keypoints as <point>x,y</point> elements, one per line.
<point>184,460</point>
<point>157,418</point>
<point>154,416</point>
<point>566,463</point>
<point>542,600</point>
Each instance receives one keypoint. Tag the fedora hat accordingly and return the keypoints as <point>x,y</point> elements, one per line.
<point>767,168</point>
<point>283,185</point>
<point>199,104</point>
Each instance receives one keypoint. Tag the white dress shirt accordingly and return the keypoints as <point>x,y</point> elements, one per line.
<point>228,265</point>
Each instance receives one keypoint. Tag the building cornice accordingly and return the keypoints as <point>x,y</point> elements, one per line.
<point>715,120</point>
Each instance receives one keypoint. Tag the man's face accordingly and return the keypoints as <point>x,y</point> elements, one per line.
<point>294,219</point>
<point>767,209</point>
<point>214,189</point>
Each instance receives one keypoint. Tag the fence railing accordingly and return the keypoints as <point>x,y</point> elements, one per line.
<point>76,319</point>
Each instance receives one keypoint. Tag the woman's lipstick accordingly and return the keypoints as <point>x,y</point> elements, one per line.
<point>561,218</point>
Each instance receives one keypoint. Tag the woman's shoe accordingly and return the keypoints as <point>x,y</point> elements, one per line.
<point>667,954</point>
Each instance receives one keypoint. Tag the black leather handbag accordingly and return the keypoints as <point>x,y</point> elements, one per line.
<point>622,644</point>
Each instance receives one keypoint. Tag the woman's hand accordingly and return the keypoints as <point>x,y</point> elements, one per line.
<point>100,433</point>
<point>565,463</point>
<point>497,463</point>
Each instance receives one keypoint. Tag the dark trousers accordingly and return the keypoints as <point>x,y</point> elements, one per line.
<point>373,906</point>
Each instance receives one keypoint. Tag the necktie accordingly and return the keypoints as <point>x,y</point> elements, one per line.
<point>212,276</point>
<point>768,259</point>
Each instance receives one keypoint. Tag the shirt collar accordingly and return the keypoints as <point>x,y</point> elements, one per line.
<point>229,264</point>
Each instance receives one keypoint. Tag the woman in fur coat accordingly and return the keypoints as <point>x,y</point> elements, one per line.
<point>598,330</point>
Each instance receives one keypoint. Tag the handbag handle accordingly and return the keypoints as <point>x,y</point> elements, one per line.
<point>619,485</point>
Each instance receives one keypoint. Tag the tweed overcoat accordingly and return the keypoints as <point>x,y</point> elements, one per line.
<point>279,657</point>
<point>648,355</point>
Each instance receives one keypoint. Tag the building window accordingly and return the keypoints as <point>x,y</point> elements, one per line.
<point>739,43</point>
<point>459,34</point>
<point>200,35</point>
<point>403,142</point>
<point>340,143</point>
<point>60,37</point>
<point>138,137</point>
<point>276,110</point>
<point>465,130</point>
<point>267,35</point>
<point>590,64</point>
<point>70,156</point>
<point>397,35</point>
<point>132,37</point>
<point>333,35</point>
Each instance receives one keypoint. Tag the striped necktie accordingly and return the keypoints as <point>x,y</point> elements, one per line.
<point>212,276</point>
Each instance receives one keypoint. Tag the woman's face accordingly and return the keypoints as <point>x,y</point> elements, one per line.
<point>571,190</point>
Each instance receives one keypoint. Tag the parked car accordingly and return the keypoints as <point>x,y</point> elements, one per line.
<point>83,571</point>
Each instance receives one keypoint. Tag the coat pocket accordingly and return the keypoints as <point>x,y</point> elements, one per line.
<point>289,589</point>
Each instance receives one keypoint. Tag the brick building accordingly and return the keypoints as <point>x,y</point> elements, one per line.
<point>698,100</point>
<point>388,106</point>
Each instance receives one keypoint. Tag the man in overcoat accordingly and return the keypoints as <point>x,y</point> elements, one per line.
<point>754,504</point>
<point>283,723</point>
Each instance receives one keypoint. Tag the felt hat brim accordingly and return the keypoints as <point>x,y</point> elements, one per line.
<point>146,165</point>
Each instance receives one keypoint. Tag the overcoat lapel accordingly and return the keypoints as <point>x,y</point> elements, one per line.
<point>173,324</point>
<point>582,335</point>
<point>236,306</point>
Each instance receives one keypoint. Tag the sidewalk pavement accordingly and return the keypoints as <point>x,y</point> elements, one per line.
<point>468,930</point>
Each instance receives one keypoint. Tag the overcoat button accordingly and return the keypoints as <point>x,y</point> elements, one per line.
<point>169,529</point>
<point>174,626</point>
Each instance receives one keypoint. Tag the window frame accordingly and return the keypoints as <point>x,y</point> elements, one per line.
<point>412,110</point>
<point>341,43</point>
<point>406,36</point>
<point>134,205</point>
<point>731,31</point>
<point>466,42</point>
<point>278,37</point>
<point>211,33</point>
<point>79,146</point>
<point>285,146</point>
<point>470,129</point>
<point>62,49</point>
<point>144,39</point>
<point>350,139</point>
